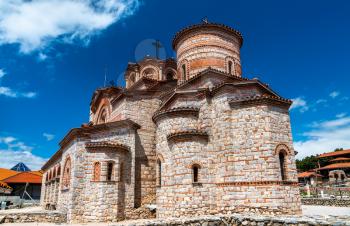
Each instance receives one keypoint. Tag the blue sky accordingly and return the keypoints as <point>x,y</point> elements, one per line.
<point>53,54</point>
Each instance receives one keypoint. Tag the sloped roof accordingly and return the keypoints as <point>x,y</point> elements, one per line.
<point>335,153</point>
<point>5,173</point>
<point>340,159</point>
<point>308,174</point>
<point>24,177</point>
<point>21,167</point>
<point>342,165</point>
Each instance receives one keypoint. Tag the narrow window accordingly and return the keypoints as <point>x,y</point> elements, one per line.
<point>159,173</point>
<point>195,170</point>
<point>97,171</point>
<point>121,172</point>
<point>110,171</point>
<point>230,67</point>
<point>183,72</point>
<point>282,165</point>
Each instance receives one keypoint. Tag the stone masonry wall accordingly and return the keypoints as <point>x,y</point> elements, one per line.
<point>239,166</point>
<point>140,110</point>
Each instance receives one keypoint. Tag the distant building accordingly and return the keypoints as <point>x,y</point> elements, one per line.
<point>20,180</point>
<point>190,131</point>
<point>337,172</point>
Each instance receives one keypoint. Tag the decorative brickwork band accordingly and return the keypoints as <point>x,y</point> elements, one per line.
<point>187,135</point>
<point>257,183</point>
<point>253,100</point>
<point>107,144</point>
<point>176,111</point>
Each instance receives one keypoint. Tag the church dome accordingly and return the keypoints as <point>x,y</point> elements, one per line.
<point>207,45</point>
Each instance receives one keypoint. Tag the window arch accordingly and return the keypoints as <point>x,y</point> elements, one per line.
<point>59,170</point>
<point>169,76</point>
<point>97,171</point>
<point>282,164</point>
<point>132,78</point>
<point>103,117</point>
<point>110,169</point>
<point>150,72</point>
<point>195,173</point>
<point>121,172</point>
<point>183,72</point>
<point>66,174</point>
<point>229,67</point>
<point>159,173</point>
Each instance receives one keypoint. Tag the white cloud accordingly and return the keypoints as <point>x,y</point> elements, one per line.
<point>300,104</point>
<point>8,92</point>
<point>2,73</point>
<point>325,137</point>
<point>13,151</point>
<point>320,101</point>
<point>341,115</point>
<point>35,24</point>
<point>49,136</point>
<point>42,57</point>
<point>334,94</point>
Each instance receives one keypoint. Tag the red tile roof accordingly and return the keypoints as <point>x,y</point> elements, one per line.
<point>340,159</point>
<point>335,153</point>
<point>308,174</point>
<point>336,166</point>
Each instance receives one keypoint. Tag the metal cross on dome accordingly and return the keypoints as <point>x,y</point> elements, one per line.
<point>205,20</point>
<point>157,45</point>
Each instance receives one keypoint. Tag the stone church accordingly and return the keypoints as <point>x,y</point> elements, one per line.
<point>190,131</point>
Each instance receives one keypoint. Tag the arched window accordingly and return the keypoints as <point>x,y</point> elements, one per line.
<point>47,176</point>
<point>342,177</point>
<point>159,173</point>
<point>195,173</point>
<point>66,174</point>
<point>110,167</point>
<point>229,67</point>
<point>149,72</point>
<point>282,161</point>
<point>183,72</point>
<point>103,116</point>
<point>336,177</point>
<point>132,78</point>
<point>59,170</point>
<point>169,76</point>
<point>121,172</point>
<point>97,171</point>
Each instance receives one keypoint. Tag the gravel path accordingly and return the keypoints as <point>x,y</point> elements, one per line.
<point>322,212</point>
<point>325,211</point>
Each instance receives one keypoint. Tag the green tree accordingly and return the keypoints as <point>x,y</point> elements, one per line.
<point>310,162</point>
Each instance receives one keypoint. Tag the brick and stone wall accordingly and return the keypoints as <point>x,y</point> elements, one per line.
<point>239,162</point>
<point>202,49</point>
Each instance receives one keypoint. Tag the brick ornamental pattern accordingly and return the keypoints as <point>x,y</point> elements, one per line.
<point>190,131</point>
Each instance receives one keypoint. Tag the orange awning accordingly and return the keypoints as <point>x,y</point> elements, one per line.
<point>24,177</point>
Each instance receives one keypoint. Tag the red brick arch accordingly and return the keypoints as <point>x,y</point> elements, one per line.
<point>282,147</point>
<point>67,171</point>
